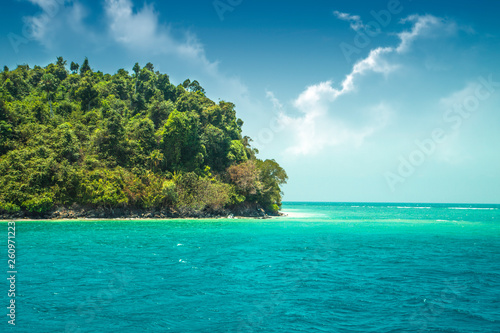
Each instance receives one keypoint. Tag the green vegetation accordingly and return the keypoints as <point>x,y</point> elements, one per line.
<point>124,140</point>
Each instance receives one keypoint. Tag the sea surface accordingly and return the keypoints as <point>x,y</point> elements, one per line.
<point>325,267</point>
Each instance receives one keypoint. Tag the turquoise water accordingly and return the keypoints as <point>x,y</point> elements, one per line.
<point>323,268</point>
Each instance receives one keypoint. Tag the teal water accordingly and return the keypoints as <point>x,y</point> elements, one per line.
<point>323,268</point>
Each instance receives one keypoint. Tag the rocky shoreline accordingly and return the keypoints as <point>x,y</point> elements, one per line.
<point>82,212</point>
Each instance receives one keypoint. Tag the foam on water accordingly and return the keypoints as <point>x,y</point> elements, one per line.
<point>297,214</point>
<point>473,208</point>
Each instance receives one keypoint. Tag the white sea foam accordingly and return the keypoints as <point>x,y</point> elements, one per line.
<point>410,207</point>
<point>295,213</point>
<point>472,208</point>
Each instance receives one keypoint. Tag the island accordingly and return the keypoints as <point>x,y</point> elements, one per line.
<point>78,143</point>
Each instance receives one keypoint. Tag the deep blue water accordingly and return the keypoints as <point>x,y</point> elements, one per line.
<point>323,268</point>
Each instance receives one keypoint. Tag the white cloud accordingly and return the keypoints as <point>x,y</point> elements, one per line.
<point>311,132</point>
<point>142,32</point>
<point>315,131</point>
<point>59,24</point>
<point>354,20</point>
<point>315,97</point>
<point>425,25</point>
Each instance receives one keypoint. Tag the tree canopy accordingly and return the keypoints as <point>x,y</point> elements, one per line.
<point>125,140</point>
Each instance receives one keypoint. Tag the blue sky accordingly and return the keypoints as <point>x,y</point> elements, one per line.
<point>388,101</point>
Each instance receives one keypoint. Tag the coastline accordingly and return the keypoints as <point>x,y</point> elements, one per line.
<point>82,213</point>
<point>140,219</point>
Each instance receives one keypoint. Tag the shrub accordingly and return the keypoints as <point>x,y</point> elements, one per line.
<point>158,192</point>
<point>9,207</point>
<point>39,204</point>
<point>197,193</point>
<point>104,188</point>
<point>246,177</point>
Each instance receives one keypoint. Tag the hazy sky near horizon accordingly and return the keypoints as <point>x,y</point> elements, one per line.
<point>388,101</point>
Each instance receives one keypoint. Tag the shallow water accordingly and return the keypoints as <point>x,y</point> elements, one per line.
<point>322,268</point>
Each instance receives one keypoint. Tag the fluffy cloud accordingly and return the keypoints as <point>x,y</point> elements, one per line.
<point>142,31</point>
<point>315,131</point>
<point>56,18</point>
<point>318,127</point>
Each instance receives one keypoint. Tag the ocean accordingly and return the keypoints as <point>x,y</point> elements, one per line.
<point>325,267</point>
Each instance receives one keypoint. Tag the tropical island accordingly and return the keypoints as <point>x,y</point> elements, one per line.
<point>80,143</point>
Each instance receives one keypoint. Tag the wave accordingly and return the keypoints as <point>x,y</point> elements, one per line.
<point>400,207</point>
<point>429,207</point>
<point>409,207</point>
<point>473,208</point>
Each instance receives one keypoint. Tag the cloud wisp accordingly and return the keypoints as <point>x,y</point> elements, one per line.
<point>355,20</point>
<point>317,127</point>
<point>425,25</point>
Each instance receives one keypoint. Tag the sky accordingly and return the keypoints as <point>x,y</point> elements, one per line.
<point>359,101</point>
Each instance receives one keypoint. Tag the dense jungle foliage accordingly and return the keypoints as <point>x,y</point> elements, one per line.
<point>123,140</point>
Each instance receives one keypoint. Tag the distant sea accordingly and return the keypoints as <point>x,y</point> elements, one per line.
<point>326,267</point>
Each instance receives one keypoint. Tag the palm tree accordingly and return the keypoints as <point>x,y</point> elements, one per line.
<point>156,157</point>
